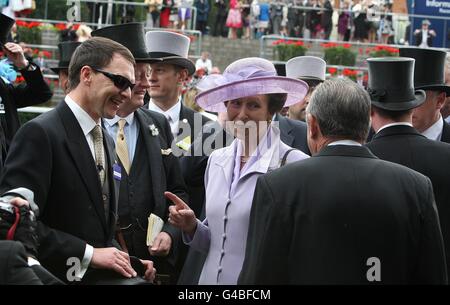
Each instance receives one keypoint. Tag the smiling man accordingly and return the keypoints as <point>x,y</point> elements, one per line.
<point>145,172</point>
<point>66,159</point>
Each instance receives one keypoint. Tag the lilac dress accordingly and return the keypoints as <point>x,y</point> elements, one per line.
<point>229,195</point>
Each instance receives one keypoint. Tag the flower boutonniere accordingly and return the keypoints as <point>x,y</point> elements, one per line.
<point>154,130</point>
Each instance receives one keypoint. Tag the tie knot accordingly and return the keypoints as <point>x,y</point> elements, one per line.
<point>97,132</point>
<point>122,123</point>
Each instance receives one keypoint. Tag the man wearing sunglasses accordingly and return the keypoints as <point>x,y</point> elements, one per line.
<point>148,168</point>
<point>68,161</point>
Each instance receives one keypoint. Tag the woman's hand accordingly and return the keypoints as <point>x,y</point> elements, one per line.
<point>181,215</point>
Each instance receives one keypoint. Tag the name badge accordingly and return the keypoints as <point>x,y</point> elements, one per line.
<point>117,172</point>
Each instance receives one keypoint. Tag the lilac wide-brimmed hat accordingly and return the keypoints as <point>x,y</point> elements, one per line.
<point>247,77</point>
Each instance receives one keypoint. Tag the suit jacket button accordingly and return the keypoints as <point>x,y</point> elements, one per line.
<point>104,197</point>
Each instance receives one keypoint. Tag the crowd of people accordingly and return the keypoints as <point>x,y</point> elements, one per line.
<point>357,20</point>
<point>282,177</point>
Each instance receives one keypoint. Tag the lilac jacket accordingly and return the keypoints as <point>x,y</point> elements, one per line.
<point>229,195</point>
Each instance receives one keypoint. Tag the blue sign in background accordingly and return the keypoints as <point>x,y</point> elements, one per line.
<point>438,8</point>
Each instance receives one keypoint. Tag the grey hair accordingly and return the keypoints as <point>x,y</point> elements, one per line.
<point>342,109</point>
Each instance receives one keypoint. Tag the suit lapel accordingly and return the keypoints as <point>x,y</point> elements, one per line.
<point>285,130</point>
<point>82,157</point>
<point>114,186</point>
<point>226,161</point>
<point>187,115</point>
<point>445,132</point>
<point>153,149</point>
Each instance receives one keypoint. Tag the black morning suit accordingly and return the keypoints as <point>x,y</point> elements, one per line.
<point>50,156</point>
<point>142,191</point>
<point>319,220</point>
<point>404,145</point>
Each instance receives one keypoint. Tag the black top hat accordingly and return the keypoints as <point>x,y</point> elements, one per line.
<point>391,84</point>
<point>280,66</point>
<point>429,73</point>
<point>130,35</point>
<point>6,24</point>
<point>66,50</point>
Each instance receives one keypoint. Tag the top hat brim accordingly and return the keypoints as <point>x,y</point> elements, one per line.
<point>147,60</point>
<point>311,78</point>
<point>437,87</point>
<point>177,61</point>
<point>57,69</point>
<point>419,99</point>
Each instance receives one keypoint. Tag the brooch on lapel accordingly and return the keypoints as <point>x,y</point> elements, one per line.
<point>185,144</point>
<point>166,152</point>
<point>154,130</point>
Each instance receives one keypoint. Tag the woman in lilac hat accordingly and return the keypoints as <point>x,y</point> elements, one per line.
<point>250,92</point>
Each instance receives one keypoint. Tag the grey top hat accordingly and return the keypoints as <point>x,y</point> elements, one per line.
<point>66,50</point>
<point>6,24</point>
<point>169,47</point>
<point>306,68</point>
<point>391,85</point>
<point>130,35</point>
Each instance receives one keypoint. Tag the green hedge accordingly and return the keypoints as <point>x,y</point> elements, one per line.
<point>340,55</point>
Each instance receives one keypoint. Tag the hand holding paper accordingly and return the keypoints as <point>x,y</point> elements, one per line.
<point>155,225</point>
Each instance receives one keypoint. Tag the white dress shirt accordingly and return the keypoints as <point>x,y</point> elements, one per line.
<point>424,43</point>
<point>345,142</point>
<point>172,115</point>
<point>434,132</point>
<point>395,124</point>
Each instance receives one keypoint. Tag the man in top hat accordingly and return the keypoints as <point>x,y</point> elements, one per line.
<point>170,69</point>
<point>293,132</point>
<point>148,168</point>
<point>34,91</point>
<point>424,37</point>
<point>66,50</point>
<point>429,75</point>
<point>343,216</point>
<point>66,158</point>
<point>310,69</point>
<point>394,101</point>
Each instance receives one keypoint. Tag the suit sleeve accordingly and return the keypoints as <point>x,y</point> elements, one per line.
<point>17,270</point>
<point>266,255</point>
<point>35,91</point>
<point>29,165</point>
<point>431,268</point>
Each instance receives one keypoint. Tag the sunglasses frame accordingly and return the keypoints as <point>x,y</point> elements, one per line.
<point>117,80</point>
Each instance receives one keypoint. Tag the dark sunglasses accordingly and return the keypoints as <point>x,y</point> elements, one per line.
<point>119,81</point>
